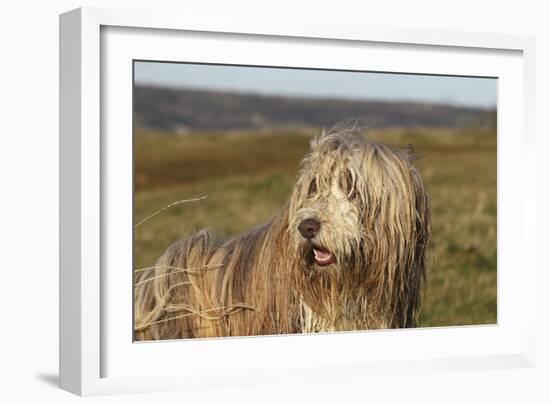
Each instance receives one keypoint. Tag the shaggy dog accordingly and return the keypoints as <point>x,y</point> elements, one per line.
<point>347,252</point>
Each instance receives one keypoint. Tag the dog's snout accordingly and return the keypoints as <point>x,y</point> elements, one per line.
<point>309,228</point>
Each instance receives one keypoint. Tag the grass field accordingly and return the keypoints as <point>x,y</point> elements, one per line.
<point>248,177</point>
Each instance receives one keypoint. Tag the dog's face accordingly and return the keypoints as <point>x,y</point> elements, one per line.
<point>327,207</point>
<point>354,201</point>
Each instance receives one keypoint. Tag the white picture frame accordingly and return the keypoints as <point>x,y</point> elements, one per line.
<point>97,355</point>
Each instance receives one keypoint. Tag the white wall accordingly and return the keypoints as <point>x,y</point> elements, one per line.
<point>28,196</point>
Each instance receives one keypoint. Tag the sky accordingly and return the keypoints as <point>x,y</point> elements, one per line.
<point>464,91</point>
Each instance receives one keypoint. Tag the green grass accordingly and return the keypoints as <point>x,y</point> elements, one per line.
<point>247,178</point>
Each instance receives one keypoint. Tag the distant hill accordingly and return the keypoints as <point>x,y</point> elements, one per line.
<point>182,109</point>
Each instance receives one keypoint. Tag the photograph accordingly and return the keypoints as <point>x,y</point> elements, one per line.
<point>282,200</point>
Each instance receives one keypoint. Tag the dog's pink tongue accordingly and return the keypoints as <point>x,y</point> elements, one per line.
<point>322,254</point>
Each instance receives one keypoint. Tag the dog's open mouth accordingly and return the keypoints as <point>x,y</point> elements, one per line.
<point>322,256</point>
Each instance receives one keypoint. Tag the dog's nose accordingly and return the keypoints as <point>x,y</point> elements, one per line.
<point>309,228</point>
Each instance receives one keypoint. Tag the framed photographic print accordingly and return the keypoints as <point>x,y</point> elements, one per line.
<point>237,198</point>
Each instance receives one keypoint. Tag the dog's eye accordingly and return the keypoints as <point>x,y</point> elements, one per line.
<point>312,188</point>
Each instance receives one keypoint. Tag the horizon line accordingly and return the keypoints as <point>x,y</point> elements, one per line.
<point>266,94</point>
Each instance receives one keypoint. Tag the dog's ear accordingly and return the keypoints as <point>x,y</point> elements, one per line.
<point>396,225</point>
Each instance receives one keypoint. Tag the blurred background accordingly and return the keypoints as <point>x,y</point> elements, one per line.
<point>237,135</point>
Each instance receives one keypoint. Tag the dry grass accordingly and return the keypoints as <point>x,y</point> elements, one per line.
<point>247,177</point>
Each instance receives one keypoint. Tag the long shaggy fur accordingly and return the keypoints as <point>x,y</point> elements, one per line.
<point>374,221</point>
